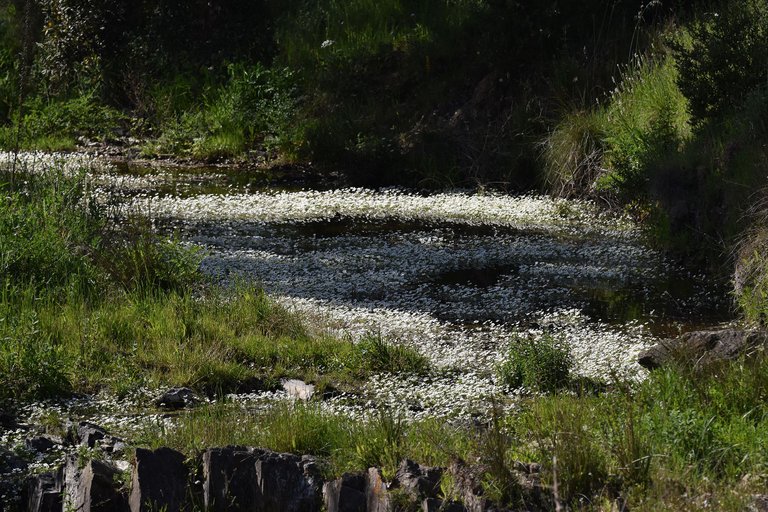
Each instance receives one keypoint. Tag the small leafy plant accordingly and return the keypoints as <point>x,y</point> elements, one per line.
<point>541,364</point>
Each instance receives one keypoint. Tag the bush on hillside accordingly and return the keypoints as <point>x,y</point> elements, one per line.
<point>724,57</point>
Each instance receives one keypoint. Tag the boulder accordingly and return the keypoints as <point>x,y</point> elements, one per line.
<point>94,488</point>
<point>177,398</point>
<point>93,436</point>
<point>44,492</point>
<point>703,347</point>
<point>160,481</point>
<point>42,444</point>
<point>298,389</point>
<point>239,478</point>
<point>88,434</point>
<point>345,494</point>
<point>419,482</point>
<point>467,482</point>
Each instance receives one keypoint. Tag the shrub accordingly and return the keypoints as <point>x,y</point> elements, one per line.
<point>542,364</point>
<point>56,124</point>
<point>374,354</point>
<point>751,275</point>
<point>254,105</point>
<point>724,57</point>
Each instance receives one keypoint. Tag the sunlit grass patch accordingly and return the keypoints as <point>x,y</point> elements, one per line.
<point>225,341</point>
<point>347,444</point>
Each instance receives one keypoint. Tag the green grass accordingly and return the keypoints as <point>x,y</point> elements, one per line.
<point>670,443</point>
<point>225,341</point>
<point>613,148</point>
<point>85,308</point>
<point>542,364</point>
<point>703,432</point>
<point>252,108</point>
<point>56,124</point>
<point>307,428</point>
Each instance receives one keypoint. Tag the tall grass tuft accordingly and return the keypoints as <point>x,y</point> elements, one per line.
<point>615,147</point>
<point>573,153</point>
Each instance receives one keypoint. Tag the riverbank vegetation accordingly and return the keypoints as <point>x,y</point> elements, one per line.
<point>684,439</point>
<point>630,103</point>
<point>86,307</point>
<point>660,110</point>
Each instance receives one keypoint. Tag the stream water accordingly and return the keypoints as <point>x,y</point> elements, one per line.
<point>456,275</point>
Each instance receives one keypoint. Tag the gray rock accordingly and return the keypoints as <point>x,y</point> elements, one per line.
<point>345,494</point>
<point>759,503</point>
<point>94,436</point>
<point>45,492</point>
<point>229,475</point>
<point>703,347</point>
<point>239,479</point>
<point>89,434</point>
<point>160,481</point>
<point>94,488</point>
<point>468,484</point>
<point>418,481</point>
<point>376,492</point>
<point>298,389</point>
<point>42,444</point>
<point>435,505</point>
<point>177,398</point>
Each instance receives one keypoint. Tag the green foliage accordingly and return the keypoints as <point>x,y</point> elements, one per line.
<point>646,120</point>
<point>573,153</point>
<point>56,124</point>
<point>9,62</point>
<point>32,363</point>
<point>723,57</point>
<point>307,428</point>
<point>140,259</point>
<point>568,444</point>
<point>615,148</point>
<point>84,308</point>
<point>254,106</point>
<point>374,354</point>
<point>542,364</point>
<point>679,429</point>
<point>382,444</point>
<point>46,233</point>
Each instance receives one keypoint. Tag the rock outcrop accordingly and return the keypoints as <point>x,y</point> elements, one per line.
<point>703,347</point>
<point>177,398</point>
<point>93,488</point>
<point>240,478</point>
<point>160,481</point>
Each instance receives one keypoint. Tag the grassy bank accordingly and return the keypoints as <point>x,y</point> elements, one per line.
<point>681,440</point>
<point>86,307</point>
<point>89,309</point>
